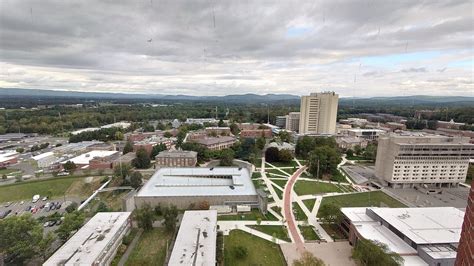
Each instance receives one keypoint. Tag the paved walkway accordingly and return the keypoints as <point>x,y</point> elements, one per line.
<point>227,226</point>
<point>288,210</point>
<point>130,248</point>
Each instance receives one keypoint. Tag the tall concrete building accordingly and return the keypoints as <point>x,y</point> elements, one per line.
<point>318,113</point>
<point>292,121</point>
<point>409,159</point>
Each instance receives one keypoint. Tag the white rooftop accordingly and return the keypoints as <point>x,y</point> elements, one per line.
<point>195,181</point>
<point>7,155</point>
<point>84,248</point>
<point>433,225</point>
<point>42,155</point>
<point>86,157</point>
<point>196,240</point>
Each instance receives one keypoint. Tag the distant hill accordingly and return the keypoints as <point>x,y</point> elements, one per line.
<point>35,95</point>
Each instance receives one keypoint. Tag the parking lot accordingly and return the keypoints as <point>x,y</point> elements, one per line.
<point>360,173</point>
<point>37,209</point>
<point>449,197</point>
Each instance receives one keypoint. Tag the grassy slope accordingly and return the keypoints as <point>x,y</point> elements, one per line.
<point>279,231</point>
<point>312,187</point>
<point>150,249</point>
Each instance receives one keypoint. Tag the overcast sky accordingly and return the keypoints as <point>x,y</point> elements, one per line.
<point>356,48</point>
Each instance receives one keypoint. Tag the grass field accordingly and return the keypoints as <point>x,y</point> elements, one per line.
<point>277,210</point>
<point>258,183</point>
<point>256,175</point>
<point>303,187</point>
<point>298,212</point>
<point>251,216</point>
<point>280,182</point>
<point>55,187</point>
<point>308,232</point>
<point>282,164</point>
<point>121,250</point>
<point>277,172</point>
<point>260,251</point>
<point>277,231</point>
<point>7,171</point>
<point>309,203</point>
<point>365,199</point>
<point>333,231</point>
<point>278,192</point>
<point>150,249</point>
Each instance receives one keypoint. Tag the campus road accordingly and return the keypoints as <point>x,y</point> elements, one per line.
<point>288,209</point>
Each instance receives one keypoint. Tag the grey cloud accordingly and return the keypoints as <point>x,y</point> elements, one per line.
<point>414,70</point>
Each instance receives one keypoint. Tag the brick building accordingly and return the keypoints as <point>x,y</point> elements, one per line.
<point>176,158</point>
<point>256,133</point>
<point>465,256</point>
<point>218,143</point>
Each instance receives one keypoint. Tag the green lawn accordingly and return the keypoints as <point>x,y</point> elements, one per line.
<point>278,231</point>
<point>280,182</point>
<point>121,250</point>
<point>282,164</point>
<point>309,203</point>
<point>260,251</point>
<point>298,212</point>
<point>334,231</point>
<point>256,175</point>
<point>308,232</point>
<point>365,199</point>
<point>278,192</point>
<point>258,183</point>
<point>303,187</point>
<point>7,171</point>
<point>274,171</point>
<point>356,158</point>
<point>277,210</point>
<point>26,190</point>
<point>151,248</point>
<point>251,216</point>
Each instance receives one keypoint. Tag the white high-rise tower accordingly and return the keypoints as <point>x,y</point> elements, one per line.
<point>318,113</point>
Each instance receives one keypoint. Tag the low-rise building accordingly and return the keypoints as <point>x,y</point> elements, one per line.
<point>351,142</point>
<point>293,121</point>
<point>8,158</point>
<point>281,146</point>
<point>256,133</point>
<point>366,133</point>
<point>96,243</point>
<point>422,236</point>
<point>216,143</point>
<point>125,159</point>
<point>94,160</point>
<point>219,131</point>
<point>449,124</point>
<point>395,126</point>
<point>196,240</point>
<point>44,160</point>
<point>188,186</point>
<point>176,159</point>
<point>201,121</point>
<point>280,121</point>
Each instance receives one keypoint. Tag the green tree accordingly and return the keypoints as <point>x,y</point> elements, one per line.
<point>285,156</point>
<point>308,259</point>
<point>373,253</point>
<point>221,123</point>
<point>260,143</point>
<point>304,146</point>
<point>350,153</point>
<point>284,136</point>
<point>272,154</point>
<point>142,161</point>
<point>145,217</point>
<point>358,150</point>
<point>128,147</point>
<point>72,207</point>
<point>122,171</point>
<point>226,157</point>
<point>167,134</point>
<point>20,150</point>
<point>370,152</point>
<point>240,252</point>
<point>102,207</point>
<point>72,222</point>
<point>70,167</point>
<point>330,213</point>
<point>136,179</point>
<point>323,161</point>
<point>170,215</point>
<point>19,238</point>
<point>157,149</point>
<point>234,129</point>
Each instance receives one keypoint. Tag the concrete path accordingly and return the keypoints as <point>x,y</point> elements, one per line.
<point>227,226</point>
<point>130,248</point>
<point>295,235</point>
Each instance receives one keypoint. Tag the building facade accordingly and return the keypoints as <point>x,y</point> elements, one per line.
<point>216,143</point>
<point>280,121</point>
<point>369,134</point>
<point>465,256</point>
<point>292,122</point>
<point>176,158</point>
<point>256,133</point>
<point>413,159</point>
<point>318,113</point>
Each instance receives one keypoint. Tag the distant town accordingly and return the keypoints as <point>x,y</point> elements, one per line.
<point>256,184</point>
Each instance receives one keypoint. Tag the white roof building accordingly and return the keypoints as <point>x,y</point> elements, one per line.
<point>7,155</point>
<point>422,236</point>
<point>95,243</point>
<point>196,240</point>
<point>84,159</point>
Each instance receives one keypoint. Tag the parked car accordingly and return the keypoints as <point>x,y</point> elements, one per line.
<point>45,198</point>
<point>46,224</point>
<point>52,223</point>
<point>35,198</point>
<point>58,222</point>
<point>22,202</point>
<point>8,204</point>
<point>63,174</point>
<point>28,208</point>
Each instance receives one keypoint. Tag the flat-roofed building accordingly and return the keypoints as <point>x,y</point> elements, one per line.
<point>196,240</point>
<point>422,236</point>
<point>350,142</point>
<point>8,158</point>
<point>46,159</point>
<point>201,121</point>
<point>176,158</point>
<point>256,133</point>
<point>409,159</point>
<point>187,186</point>
<point>318,113</point>
<point>124,159</point>
<point>94,159</point>
<point>216,143</point>
<point>280,121</point>
<point>218,131</point>
<point>366,133</point>
<point>96,243</point>
<point>292,122</point>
